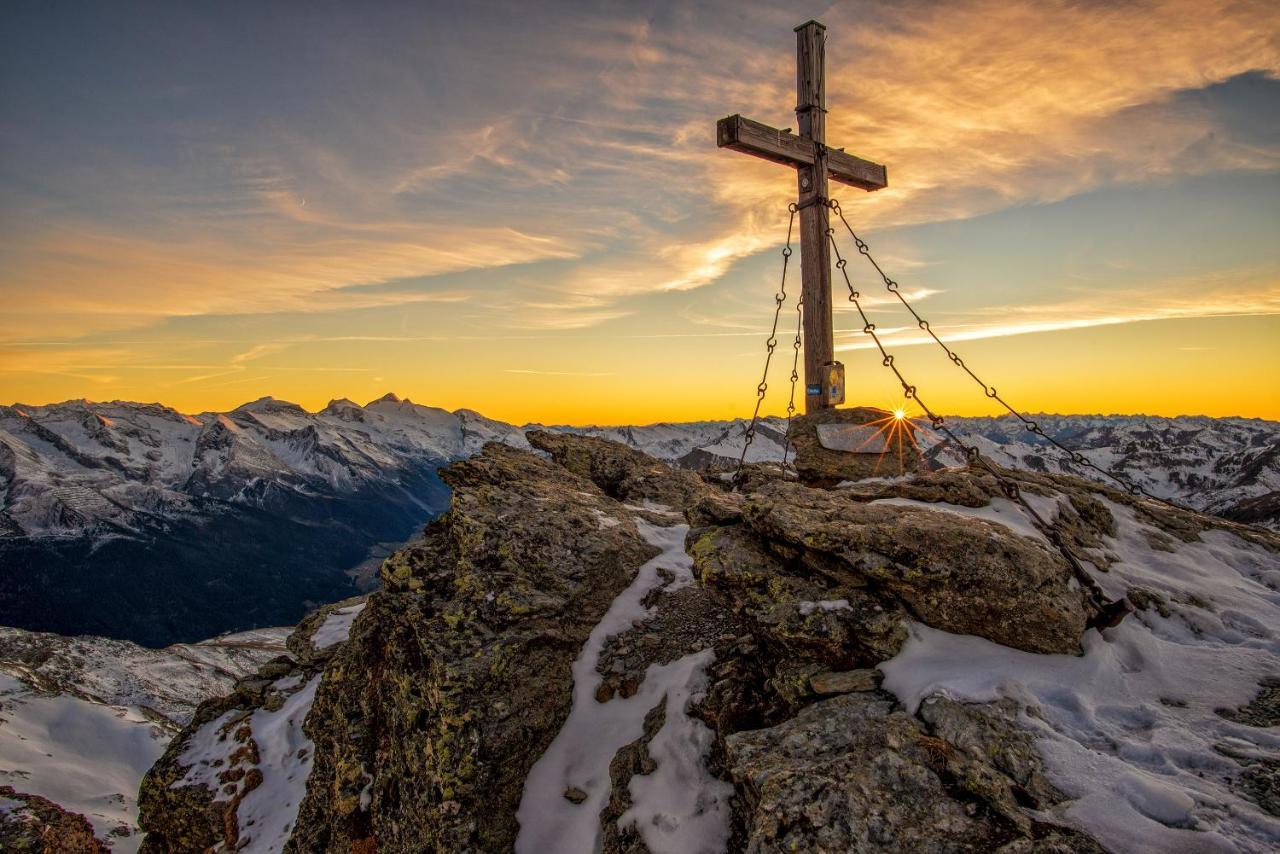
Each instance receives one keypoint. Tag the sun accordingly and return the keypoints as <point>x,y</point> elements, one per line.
<point>899,414</point>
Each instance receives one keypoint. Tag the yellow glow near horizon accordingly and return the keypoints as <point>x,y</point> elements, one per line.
<point>1083,199</point>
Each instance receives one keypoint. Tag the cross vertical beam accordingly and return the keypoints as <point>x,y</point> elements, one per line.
<point>815,250</point>
<point>814,163</point>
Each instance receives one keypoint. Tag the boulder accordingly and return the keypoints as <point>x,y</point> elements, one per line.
<point>857,773</point>
<point>429,719</point>
<point>960,574</point>
<point>621,472</point>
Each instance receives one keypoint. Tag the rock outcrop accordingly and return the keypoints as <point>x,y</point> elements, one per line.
<point>954,572</point>
<point>31,824</point>
<point>431,704</point>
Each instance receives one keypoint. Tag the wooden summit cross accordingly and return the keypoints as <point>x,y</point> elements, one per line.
<point>814,163</point>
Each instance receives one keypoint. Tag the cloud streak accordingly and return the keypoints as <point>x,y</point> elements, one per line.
<point>565,178</point>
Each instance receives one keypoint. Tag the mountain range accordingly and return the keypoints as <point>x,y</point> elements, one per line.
<point>139,522</point>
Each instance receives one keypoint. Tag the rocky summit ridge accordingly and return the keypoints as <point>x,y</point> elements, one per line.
<point>593,650</point>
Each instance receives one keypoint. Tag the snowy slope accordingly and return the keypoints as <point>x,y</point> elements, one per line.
<point>1158,733</point>
<point>83,718</point>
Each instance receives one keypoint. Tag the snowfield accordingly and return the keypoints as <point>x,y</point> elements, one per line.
<point>1132,730</point>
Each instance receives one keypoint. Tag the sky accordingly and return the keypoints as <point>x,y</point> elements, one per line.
<point>519,208</point>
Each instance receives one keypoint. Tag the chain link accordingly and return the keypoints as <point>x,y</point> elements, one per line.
<point>797,345</point>
<point>762,388</point>
<point>990,391</point>
<point>970,453</point>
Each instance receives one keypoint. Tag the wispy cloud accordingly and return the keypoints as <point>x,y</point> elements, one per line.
<point>574,165</point>
<point>1167,300</point>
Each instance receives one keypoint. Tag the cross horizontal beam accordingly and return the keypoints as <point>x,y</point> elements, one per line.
<point>752,137</point>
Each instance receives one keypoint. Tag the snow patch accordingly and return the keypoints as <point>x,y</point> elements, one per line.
<point>654,507</point>
<point>680,807</point>
<point>266,814</point>
<point>86,757</point>
<point>336,628</point>
<point>604,520</point>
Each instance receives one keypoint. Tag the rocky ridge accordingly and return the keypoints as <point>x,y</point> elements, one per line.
<point>595,647</point>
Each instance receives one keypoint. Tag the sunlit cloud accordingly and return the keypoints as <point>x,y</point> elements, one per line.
<point>1162,302</point>
<point>573,170</point>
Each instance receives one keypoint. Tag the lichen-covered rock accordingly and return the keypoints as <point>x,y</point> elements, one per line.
<point>864,567</point>
<point>190,800</point>
<point>857,773</point>
<point>771,593</point>
<point>851,774</point>
<point>621,472</point>
<point>991,756</point>
<point>30,824</point>
<point>963,575</point>
<point>458,675</point>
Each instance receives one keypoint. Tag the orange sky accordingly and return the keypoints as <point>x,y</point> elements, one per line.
<point>524,212</point>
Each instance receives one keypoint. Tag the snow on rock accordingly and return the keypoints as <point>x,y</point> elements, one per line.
<point>85,717</point>
<point>1002,511</point>
<point>337,627</point>
<point>807,608</point>
<point>86,757</point>
<point>680,807</point>
<point>279,762</point>
<point>1131,730</point>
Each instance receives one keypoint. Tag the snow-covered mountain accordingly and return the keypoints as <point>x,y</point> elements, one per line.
<point>71,468</point>
<point>85,717</point>
<point>1226,466</point>
<point>137,521</point>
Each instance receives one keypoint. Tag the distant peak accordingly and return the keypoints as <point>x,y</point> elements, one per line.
<point>268,404</point>
<point>341,403</point>
<point>389,397</point>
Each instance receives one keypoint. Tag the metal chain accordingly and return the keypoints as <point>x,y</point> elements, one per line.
<point>797,345</point>
<point>970,453</point>
<point>779,298</point>
<point>1075,456</point>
